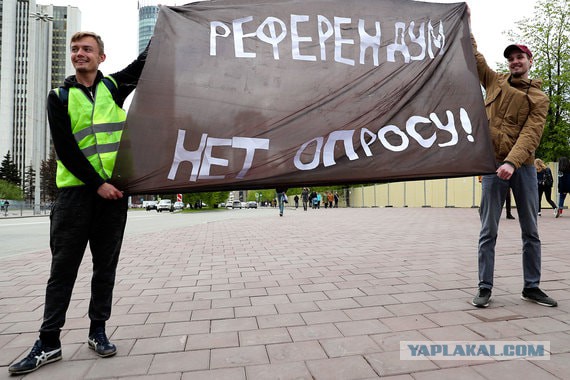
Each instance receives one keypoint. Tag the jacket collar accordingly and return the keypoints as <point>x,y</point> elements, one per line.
<point>524,83</point>
<point>71,81</point>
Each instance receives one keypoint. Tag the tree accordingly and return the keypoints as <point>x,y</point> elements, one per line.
<point>212,199</point>
<point>9,171</point>
<point>48,171</point>
<point>547,33</point>
<point>10,191</point>
<point>29,184</point>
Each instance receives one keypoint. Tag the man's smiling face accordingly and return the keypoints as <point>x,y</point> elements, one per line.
<point>85,55</point>
<point>519,64</point>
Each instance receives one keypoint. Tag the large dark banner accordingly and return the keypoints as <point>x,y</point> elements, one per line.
<point>253,94</point>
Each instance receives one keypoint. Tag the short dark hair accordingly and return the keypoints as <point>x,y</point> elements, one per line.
<point>80,35</point>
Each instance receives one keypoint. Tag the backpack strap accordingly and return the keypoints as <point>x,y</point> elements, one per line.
<point>63,95</point>
<point>111,85</point>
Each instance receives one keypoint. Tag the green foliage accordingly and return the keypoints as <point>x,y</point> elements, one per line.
<point>29,184</point>
<point>9,171</point>
<point>212,199</point>
<point>547,33</point>
<point>10,191</point>
<point>48,185</point>
<point>263,195</point>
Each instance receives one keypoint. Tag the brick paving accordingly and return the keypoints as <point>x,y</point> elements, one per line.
<point>324,294</point>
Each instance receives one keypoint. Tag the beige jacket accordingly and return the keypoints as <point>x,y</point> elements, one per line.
<point>516,110</point>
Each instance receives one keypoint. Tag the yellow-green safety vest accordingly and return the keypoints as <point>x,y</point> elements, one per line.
<point>97,127</point>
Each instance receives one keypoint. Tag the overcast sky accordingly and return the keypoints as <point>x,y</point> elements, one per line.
<point>117,23</point>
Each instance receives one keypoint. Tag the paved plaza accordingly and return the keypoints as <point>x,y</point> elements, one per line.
<point>323,294</point>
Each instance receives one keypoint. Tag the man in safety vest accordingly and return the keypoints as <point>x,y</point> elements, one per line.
<point>86,122</point>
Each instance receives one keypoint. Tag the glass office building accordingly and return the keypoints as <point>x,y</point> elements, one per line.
<point>148,14</point>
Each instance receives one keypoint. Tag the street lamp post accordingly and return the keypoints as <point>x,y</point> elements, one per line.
<point>39,136</point>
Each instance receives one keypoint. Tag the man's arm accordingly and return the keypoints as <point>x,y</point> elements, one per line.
<point>128,78</point>
<point>486,74</point>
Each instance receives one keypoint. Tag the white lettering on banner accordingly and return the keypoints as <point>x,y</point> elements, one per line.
<point>368,41</point>
<point>346,136</point>
<point>202,158</point>
<point>273,39</point>
<point>315,163</point>
<point>296,40</point>
<point>367,138</point>
<point>327,29</point>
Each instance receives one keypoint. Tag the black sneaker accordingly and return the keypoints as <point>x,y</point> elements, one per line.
<point>482,298</point>
<point>38,356</point>
<point>100,344</point>
<point>538,296</point>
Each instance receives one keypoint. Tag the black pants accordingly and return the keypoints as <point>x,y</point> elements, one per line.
<point>547,191</point>
<point>79,216</point>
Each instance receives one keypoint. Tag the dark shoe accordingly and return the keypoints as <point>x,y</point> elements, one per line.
<point>38,356</point>
<point>509,216</point>
<point>538,296</point>
<point>482,298</point>
<point>100,344</point>
<point>557,212</point>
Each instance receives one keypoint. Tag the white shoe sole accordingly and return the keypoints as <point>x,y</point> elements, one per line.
<point>482,306</point>
<point>536,302</point>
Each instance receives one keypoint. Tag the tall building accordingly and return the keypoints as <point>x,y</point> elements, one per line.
<point>66,22</point>
<point>15,20</point>
<point>33,59</point>
<point>148,14</point>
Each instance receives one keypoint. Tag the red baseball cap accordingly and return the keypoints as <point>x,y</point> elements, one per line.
<point>522,48</point>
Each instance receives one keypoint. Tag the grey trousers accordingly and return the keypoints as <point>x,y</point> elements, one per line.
<point>525,191</point>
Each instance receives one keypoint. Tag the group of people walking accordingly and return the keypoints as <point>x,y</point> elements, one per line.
<point>308,198</point>
<point>314,199</point>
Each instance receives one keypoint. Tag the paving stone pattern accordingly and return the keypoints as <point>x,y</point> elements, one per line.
<point>323,294</point>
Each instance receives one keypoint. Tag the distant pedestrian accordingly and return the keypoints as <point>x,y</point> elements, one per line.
<point>508,206</point>
<point>563,183</point>
<point>314,199</point>
<point>336,199</point>
<point>305,197</point>
<point>296,201</point>
<point>281,199</point>
<point>545,181</point>
<point>330,199</point>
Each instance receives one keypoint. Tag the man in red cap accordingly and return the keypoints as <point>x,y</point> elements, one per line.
<point>516,109</point>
